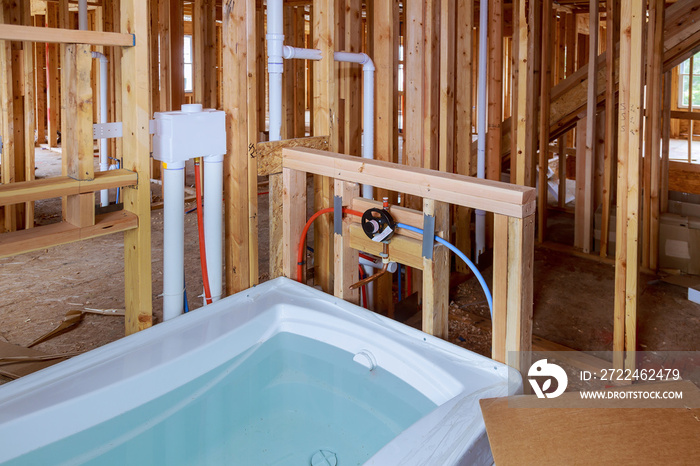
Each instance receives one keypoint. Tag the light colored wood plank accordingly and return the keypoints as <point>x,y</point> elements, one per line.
<point>236,190</point>
<point>47,236</point>
<point>77,137</point>
<point>325,114</point>
<point>253,133</point>
<point>352,76</point>
<point>447,86</point>
<point>415,100</point>
<point>403,249</point>
<point>436,275</point>
<point>53,81</point>
<point>637,20</point>
<point>7,94</point>
<point>29,115</point>
<point>431,84</point>
<point>495,94</point>
<point>525,115</point>
<point>135,113</point>
<point>492,196</point>
<point>346,258</point>
<point>463,119</point>
<point>500,288</point>
<point>591,127</point>
<point>294,211</point>
<point>521,237</point>
<point>612,37</point>
<point>655,133</point>
<point>47,188</point>
<point>65,36</point>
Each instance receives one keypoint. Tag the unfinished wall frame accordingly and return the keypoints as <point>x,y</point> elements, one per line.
<point>513,208</point>
<point>80,182</point>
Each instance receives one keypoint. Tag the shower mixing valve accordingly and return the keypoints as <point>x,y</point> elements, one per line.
<point>378,225</point>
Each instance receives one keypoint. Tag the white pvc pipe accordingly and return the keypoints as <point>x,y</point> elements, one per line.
<point>82,15</point>
<point>481,122</point>
<point>367,131</point>
<point>275,65</point>
<point>368,104</point>
<point>104,166</point>
<point>290,53</point>
<point>213,222</point>
<point>173,240</point>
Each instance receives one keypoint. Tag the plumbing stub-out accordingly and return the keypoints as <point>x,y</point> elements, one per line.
<point>366,359</point>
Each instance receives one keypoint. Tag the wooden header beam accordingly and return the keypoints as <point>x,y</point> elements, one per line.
<point>65,36</point>
<point>493,196</point>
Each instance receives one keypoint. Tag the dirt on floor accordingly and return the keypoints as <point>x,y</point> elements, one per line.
<point>573,297</point>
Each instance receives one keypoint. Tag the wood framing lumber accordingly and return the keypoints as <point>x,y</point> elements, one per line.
<point>135,99</point>
<point>346,258</point>
<point>499,288</point>
<point>463,117</point>
<point>77,105</point>
<point>236,176</point>
<point>591,126</point>
<point>325,122</point>
<point>65,36</point>
<point>47,236</point>
<point>294,203</point>
<point>521,243</point>
<point>495,90</point>
<point>492,196</point>
<point>403,249</point>
<point>436,275</point>
<point>46,188</point>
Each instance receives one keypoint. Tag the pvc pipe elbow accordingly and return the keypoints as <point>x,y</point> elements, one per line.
<point>101,56</point>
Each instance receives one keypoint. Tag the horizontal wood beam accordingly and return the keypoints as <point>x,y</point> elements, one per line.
<point>65,36</point>
<point>491,196</point>
<point>269,154</point>
<point>21,241</point>
<point>26,191</point>
<point>681,115</point>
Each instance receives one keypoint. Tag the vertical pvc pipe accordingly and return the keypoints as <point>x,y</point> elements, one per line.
<point>213,222</point>
<point>173,239</point>
<point>368,122</point>
<point>481,117</point>
<point>275,65</point>
<point>104,166</point>
<point>82,15</point>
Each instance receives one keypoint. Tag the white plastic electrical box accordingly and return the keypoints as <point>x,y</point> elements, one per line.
<point>189,133</point>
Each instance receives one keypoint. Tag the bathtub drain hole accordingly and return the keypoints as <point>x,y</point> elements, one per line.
<point>324,458</point>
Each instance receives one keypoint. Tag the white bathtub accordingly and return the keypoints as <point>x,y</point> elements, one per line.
<point>60,412</point>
